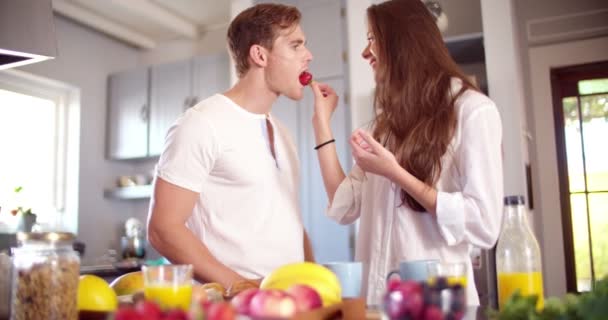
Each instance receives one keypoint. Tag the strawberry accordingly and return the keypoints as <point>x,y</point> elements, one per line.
<point>305,78</point>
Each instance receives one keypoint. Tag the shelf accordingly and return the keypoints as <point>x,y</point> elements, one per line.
<point>466,49</point>
<point>129,193</point>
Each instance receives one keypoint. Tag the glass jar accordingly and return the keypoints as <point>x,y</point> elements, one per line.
<point>46,272</point>
<point>518,259</point>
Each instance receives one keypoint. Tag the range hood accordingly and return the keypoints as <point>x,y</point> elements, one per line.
<point>27,32</point>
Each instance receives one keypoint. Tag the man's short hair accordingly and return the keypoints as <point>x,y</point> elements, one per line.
<point>259,25</point>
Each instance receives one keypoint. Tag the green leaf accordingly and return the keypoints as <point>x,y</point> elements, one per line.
<point>18,189</point>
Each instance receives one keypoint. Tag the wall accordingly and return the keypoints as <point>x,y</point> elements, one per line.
<point>536,59</point>
<point>85,59</point>
<point>360,92</point>
<point>211,41</point>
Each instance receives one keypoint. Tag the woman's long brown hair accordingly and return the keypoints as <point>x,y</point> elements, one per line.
<point>415,115</point>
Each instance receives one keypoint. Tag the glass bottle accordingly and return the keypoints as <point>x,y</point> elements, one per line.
<point>518,258</point>
<point>45,277</point>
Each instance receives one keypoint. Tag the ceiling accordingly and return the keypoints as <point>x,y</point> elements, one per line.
<point>147,23</point>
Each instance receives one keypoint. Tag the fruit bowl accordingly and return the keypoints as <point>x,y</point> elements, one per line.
<point>421,300</point>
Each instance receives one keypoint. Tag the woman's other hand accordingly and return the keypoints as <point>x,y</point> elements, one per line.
<point>326,101</point>
<point>371,156</point>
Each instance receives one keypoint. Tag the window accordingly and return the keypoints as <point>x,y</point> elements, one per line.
<point>582,114</point>
<point>39,124</point>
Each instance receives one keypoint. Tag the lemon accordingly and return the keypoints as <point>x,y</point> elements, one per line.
<point>94,294</point>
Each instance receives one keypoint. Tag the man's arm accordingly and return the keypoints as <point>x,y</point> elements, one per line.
<point>308,254</point>
<point>170,207</point>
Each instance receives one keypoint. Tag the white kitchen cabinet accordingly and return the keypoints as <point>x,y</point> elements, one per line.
<point>127,127</point>
<point>144,103</point>
<point>170,94</point>
<point>211,76</point>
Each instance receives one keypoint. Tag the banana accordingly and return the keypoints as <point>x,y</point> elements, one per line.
<point>314,275</point>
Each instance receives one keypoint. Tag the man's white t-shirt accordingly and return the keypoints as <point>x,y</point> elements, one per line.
<point>247,213</point>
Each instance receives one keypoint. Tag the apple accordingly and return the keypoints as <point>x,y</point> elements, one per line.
<point>413,299</point>
<point>393,305</point>
<point>393,284</point>
<point>176,314</point>
<point>272,304</point>
<point>148,310</point>
<point>126,313</point>
<point>221,311</point>
<point>306,297</point>
<point>405,300</point>
<point>242,301</point>
<point>433,313</point>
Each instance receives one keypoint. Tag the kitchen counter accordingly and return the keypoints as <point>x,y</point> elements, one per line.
<point>107,272</point>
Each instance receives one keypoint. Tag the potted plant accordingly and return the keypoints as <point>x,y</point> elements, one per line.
<point>27,218</point>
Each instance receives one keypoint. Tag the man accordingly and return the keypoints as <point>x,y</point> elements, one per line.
<point>226,191</point>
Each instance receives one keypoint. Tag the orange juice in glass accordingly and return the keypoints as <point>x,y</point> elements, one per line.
<point>454,272</point>
<point>169,285</point>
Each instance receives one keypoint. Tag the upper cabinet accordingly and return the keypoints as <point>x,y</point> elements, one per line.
<point>170,95</point>
<point>211,75</point>
<point>144,103</point>
<point>128,113</point>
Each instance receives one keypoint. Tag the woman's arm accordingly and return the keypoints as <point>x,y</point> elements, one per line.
<point>326,101</point>
<point>372,157</point>
<point>474,213</point>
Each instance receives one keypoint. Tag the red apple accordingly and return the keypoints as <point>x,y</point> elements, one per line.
<point>393,305</point>
<point>242,301</point>
<point>126,313</point>
<point>272,304</point>
<point>433,313</point>
<point>413,299</point>
<point>148,310</point>
<point>306,297</point>
<point>393,284</point>
<point>221,311</point>
<point>176,314</point>
<point>305,78</point>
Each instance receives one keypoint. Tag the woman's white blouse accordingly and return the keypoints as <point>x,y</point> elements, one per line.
<point>469,204</point>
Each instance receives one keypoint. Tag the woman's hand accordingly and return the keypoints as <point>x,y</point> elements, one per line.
<point>371,156</point>
<point>326,101</point>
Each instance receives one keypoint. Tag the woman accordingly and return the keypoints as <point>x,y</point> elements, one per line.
<point>427,182</point>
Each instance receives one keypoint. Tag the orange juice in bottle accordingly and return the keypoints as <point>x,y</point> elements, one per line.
<point>528,283</point>
<point>518,259</point>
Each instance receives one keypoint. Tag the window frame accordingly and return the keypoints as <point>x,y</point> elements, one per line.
<point>67,138</point>
<point>564,83</point>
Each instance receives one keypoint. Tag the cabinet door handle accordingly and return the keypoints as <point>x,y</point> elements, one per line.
<point>143,112</point>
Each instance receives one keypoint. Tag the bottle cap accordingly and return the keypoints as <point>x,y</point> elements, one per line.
<point>514,200</point>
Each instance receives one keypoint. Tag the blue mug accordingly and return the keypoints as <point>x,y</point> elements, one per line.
<point>416,270</point>
<point>350,275</point>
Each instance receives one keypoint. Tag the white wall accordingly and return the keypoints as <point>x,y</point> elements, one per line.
<point>361,90</point>
<point>505,89</point>
<point>210,42</point>
<point>85,59</point>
